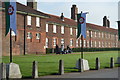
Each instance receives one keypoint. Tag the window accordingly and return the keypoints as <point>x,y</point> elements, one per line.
<point>28,20</point>
<point>70,31</point>
<point>54,41</point>
<point>37,35</point>
<point>102,35</point>
<point>71,42</point>
<point>80,43</point>
<point>62,29</point>
<point>62,41</point>
<point>76,31</point>
<point>29,35</point>
<point>95,44</point>
<point>88,44</point>
<point>76,43</point>
<point>87,33</point>
<point>91,44</point>
<point>95,34</point>
<point>99,34</point>
<point>37,21</point>
<point>47,27</point>
<point>54,28</point>
<point>91,34</point>
<point>47,42</point>
<point>102,44</point>
<point>99,44</point>
<point>84,43</point>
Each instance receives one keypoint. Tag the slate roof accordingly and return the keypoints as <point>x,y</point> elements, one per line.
<point>27,9</point>
<point>70,22</point>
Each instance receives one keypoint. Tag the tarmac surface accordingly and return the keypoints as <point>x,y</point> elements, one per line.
<point>102,73</point>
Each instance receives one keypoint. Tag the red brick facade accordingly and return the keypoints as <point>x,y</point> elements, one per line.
<point>100,37</point>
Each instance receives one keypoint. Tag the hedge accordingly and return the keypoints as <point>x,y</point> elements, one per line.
<point>52,50</point>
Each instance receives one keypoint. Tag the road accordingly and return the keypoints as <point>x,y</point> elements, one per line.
<point>102,73</point>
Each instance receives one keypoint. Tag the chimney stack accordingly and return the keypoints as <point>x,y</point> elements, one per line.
<point>106,22</point>
<point>62,17</point>
<point>32,4</point>
<point>74,12</point>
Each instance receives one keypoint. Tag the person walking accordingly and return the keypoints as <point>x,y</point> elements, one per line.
<point>57,49</point>
<point>62,49</point>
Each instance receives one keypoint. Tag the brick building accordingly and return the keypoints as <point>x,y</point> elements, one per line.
<point>37,31</point>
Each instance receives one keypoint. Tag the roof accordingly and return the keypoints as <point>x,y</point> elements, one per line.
<point>102,28</point>
<point>27,9</point>
<point>56,19</point>
<point>70,22</point>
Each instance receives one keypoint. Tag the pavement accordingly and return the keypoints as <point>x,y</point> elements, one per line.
<point>102,73</point>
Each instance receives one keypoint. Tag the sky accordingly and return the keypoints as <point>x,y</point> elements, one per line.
<point>97,9</point>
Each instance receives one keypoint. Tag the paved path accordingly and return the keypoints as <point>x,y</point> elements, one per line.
<point>103,73</point>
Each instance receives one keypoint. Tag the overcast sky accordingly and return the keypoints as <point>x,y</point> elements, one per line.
<point>97,9</point>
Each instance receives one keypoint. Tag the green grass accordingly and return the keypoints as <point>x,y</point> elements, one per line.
<point>48,64</point>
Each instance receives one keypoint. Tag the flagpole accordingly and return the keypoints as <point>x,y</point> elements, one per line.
<point>10,45</point>
<point>24,32</point>
<point>82,56</point>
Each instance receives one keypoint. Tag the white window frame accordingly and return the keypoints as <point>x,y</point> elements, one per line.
<point>54,29</point>
<point>91,43</point>
<point>84,43</point>
<point>87,33</point>
<point>37,35</point>
<point>95,44</point>
<point>47,27</point>
<point>47,42</point>
<point>29,20</point>
<point>77,43</point>
<point>95,34</point>
<point>99,34</point>
<point>62,30</point>
<point>80,43</point>
<point>62,41</point>
<point>102,35</point>
<point>99,44</point>
<point>88,44</point>
<point>91,34</point>
<point>54,41</point>
<point>71,42</point>
<point>71,31</point>
<point>37,22</point>
<point>29,35</point>
<point>76,31</point>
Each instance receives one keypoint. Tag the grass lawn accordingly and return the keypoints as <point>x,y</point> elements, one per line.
<point>48,64</point>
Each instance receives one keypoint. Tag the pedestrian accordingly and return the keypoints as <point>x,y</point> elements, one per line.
<point>69,49</point>
<point>57,49</point>
<point>62,49</point>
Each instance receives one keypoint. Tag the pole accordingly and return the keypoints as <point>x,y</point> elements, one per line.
<point>10,45</point>
<point>82,56</point>
<point>24,33</point>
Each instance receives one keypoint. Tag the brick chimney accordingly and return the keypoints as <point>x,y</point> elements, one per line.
<point>62,17</point>
<point>74,12</point>
<point>106,22</point>
<point>32,4</point>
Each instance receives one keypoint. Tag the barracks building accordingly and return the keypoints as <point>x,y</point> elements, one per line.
<point>37,31</point>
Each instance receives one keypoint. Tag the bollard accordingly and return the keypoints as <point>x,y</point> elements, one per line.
<point>80,65</point>
<point>61,67</point>
<point>112,62</point>
<point>35,70</point>
<point>3,70</point>
<point>97,64</point>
